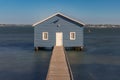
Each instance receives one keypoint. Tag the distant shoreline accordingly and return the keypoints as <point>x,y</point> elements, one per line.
<point>87,25</point>
<point>15,25</point>
<point>102,26</point>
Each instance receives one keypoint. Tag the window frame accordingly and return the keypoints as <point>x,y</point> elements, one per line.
<point>43,36</point>
<point>72,38</point>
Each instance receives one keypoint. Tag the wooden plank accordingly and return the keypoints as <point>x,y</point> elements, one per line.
<point>58,68</point>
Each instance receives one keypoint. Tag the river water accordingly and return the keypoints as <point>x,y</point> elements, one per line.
<point>100,59</point>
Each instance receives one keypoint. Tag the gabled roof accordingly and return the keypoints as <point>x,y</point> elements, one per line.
<point>76,21</point>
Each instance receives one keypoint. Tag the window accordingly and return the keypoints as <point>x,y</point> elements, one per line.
<point>72,36</point>
<point>45,35</point>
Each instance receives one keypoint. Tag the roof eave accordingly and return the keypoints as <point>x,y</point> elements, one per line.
<point>61,15</point>
<point>73,19</point>
<point>45,19</point>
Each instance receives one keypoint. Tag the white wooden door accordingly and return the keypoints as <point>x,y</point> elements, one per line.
<point>59,38</point>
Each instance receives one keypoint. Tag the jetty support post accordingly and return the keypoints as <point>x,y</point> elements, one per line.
<point>79,48</point>
<point>36,49</point>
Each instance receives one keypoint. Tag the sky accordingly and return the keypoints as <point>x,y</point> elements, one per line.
<point>87,11</point>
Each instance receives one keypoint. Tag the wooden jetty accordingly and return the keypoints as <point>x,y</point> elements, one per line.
<point>59,68</point>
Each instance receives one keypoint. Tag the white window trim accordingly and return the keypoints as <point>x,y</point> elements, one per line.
<point>71,35</point>
<point>43,33</point>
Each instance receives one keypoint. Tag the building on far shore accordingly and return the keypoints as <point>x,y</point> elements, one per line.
<point>59,30</point>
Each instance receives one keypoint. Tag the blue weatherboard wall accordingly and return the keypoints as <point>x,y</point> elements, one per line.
<point>65,26</point>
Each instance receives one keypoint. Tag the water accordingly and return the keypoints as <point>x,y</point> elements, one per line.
<point>100,59</point>
<point>18,61</point>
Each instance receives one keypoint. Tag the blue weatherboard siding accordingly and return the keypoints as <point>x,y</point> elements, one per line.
<point>51,26</point>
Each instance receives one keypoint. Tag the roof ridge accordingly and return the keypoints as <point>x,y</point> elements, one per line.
<point>58,13</point>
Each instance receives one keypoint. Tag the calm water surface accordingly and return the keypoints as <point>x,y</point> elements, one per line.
<point>18,61</point>
<point>101,58</point>
<point>99,61</point>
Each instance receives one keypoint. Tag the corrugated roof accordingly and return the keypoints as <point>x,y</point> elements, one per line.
<point>79,22</point>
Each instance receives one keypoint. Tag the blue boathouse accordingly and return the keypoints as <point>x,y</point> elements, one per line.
<point>59,30</point>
